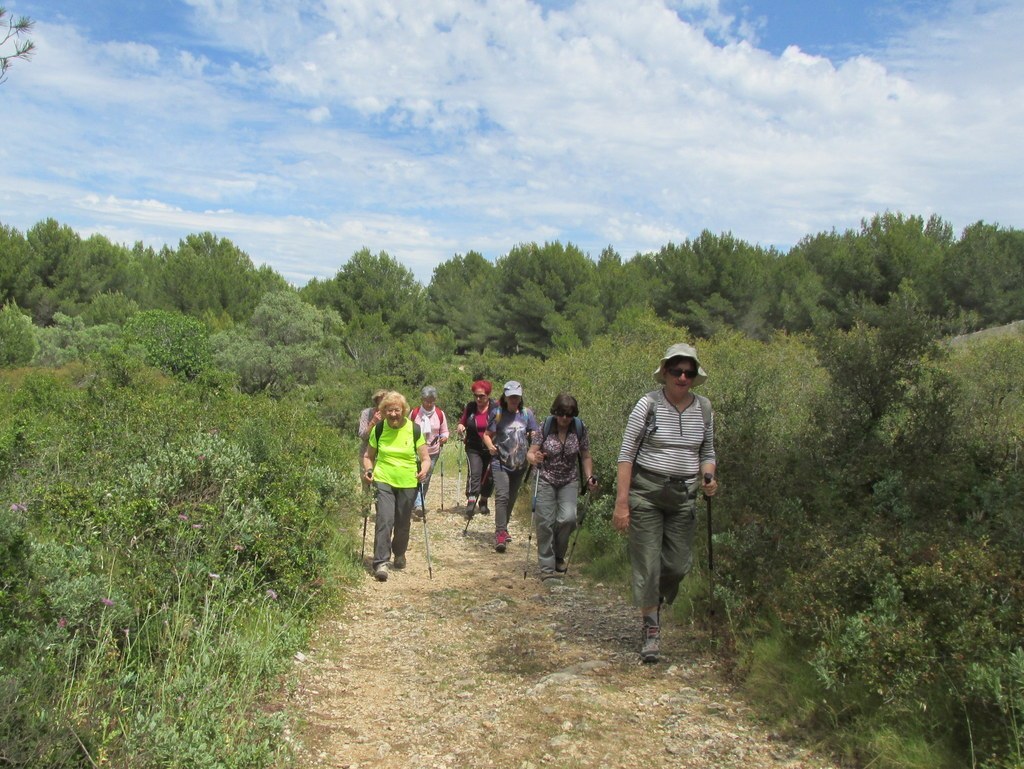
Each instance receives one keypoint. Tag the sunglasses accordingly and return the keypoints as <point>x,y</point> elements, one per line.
<point>678,373</point>
<point>479,395</point>
<point>561,414</point>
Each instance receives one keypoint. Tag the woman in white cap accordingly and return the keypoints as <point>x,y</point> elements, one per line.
<point>508,435</point>
<point>667,458</point>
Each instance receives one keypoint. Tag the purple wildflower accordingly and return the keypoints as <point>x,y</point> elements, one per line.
<point>271,594</point>
<point>19,507</point>
<point>106,602</point>
<point>197,525</point>
<point>182,517</point>
<point>62,623</point>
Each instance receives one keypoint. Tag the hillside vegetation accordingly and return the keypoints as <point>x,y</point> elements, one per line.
<point>177,459</point>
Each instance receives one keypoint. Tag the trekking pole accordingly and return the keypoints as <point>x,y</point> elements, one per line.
<point>472,510</point>
<point>367,501</point>
<point>576,535</point>
<point>708,477</point>
<point>441,457</point>
<point>533,516</point>
<point>458,489</point>
<point>426,537</point>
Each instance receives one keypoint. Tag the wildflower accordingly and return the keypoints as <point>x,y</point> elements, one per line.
<point>238,548</point>
<point>182,517</point>
<point>197,525</point>
<point>211,575</point>
<point>202,457</point>
<point>106,602</point>
<point>271,594</point>
<point>62,623</point>
<point>19,507</point>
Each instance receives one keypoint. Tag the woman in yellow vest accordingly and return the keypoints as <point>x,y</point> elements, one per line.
<point>395,462</point>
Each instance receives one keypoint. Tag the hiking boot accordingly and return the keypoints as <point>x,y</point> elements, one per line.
<point>650,648</point>
<point>560,566</point>
<point>501,540</point>
<point>470,502</point>
<point>400,561</point>
<point>484,509</point>
<point>381,572</point>
<point>546,576</point>
<point>417,513</point>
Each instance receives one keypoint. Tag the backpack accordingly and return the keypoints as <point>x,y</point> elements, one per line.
<point>379,430</point>
<point>414,415</point>
<point>577,427</point>
<point>514,443</point>
<point>651,420</point>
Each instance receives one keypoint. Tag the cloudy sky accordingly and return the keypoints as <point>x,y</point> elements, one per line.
<point>305,130</point>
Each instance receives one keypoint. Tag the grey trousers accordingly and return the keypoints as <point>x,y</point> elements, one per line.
<point>394,519</point>
<point>556,520</point>
<point>506,489</point>
<point>662,519</point>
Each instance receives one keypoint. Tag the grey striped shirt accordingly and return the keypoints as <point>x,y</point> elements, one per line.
<point>677,446</point>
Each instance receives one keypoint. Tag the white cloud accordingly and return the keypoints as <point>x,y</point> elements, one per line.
<point>432,129</point>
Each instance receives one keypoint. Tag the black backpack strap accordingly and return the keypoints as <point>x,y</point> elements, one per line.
<point>416,432</point>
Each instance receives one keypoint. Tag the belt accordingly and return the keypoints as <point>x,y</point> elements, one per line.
<point>680,479</point>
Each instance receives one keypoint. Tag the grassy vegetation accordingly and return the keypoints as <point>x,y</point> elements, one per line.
<point>165,548</point>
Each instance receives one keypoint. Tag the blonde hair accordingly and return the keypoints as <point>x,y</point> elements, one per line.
<point>377,396</point>
<point>393,398</point>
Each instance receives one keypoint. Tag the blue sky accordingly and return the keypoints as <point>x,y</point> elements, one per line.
<point>306,130</point>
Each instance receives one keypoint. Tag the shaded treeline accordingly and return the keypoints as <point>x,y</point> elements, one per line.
<point>537,299</point>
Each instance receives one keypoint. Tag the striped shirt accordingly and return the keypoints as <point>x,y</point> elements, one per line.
<point>677,447</point>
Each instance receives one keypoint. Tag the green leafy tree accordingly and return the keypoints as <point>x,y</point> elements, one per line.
<point>620,286</point>
<point>797,294</point>
<point>546,299</point>
<point>14,43</point>
<point>287,342</point>
<point>983,273</point>
<point>212,278</point>
<point>17,337</point>
<point>460,297</point>
<point>109,307</point>
<point>372,285</point>
<point>52,251</point>
<point>170,341</point>
<point>16,278</point>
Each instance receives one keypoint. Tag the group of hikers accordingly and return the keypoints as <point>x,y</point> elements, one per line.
<point>667,458</point>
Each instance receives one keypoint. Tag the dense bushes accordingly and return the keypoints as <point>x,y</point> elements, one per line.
<point>869,526</point>
<point>162,547</point>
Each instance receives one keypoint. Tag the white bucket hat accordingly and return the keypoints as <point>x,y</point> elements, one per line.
<point>681,350</point>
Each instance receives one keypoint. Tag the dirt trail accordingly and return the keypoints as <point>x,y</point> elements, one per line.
<point>479,667</point>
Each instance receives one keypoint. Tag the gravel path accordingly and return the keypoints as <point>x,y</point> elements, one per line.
<point>479,667</point>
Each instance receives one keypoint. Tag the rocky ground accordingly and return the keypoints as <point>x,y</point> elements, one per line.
<point>478,666</point>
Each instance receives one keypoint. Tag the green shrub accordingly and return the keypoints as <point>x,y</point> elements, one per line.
<point>175,343</point>
<point>17,337</point>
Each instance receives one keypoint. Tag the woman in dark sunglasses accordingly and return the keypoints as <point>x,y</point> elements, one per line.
<point>667,458</point>
<point>560,451</point>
